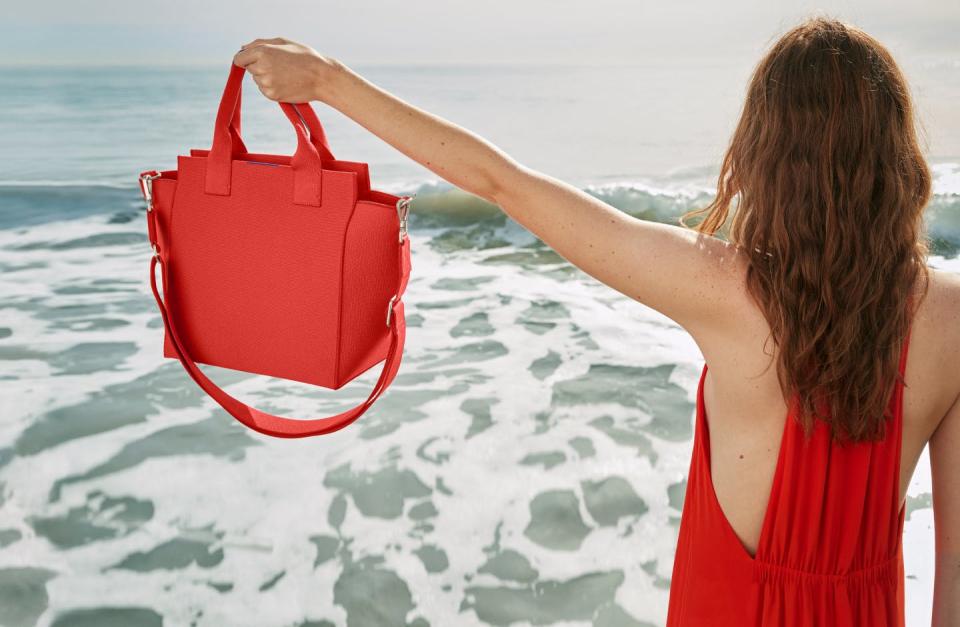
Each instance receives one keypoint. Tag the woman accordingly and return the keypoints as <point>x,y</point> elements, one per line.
<point>825,256</point>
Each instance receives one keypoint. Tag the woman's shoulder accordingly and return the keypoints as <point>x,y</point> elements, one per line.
<point>939,310</point>
<point>935,339</point>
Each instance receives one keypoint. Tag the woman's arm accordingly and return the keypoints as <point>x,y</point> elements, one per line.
<point>945,470</point>
<point>694,282</point>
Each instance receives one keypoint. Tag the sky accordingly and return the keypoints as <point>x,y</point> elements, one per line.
<point>452,31</point>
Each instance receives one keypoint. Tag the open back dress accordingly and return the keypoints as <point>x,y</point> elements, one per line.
<point>830,551</point>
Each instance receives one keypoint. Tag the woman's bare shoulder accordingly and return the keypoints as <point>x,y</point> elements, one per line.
<point>938,333</point>
<point>940,309</point>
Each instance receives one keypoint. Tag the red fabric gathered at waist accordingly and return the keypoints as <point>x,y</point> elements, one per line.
<point>883,573</point>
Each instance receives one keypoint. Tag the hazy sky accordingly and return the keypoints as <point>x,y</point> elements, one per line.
<point>495,31</point>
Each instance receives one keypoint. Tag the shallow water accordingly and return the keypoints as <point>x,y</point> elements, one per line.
<point>526,467</point>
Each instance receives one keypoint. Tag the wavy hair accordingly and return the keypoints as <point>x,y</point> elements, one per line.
<point>830,185</point>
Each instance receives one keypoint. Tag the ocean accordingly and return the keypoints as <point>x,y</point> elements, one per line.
<point>527,467</point>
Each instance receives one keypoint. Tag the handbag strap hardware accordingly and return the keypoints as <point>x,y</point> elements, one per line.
<point>403,209</point>
<point>146,185</point>
<point>390,307</point>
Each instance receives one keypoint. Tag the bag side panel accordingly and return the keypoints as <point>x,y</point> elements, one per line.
<point>164,193</point>
<point>370,276</point>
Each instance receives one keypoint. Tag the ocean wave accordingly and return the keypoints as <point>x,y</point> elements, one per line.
<point>439,205</point>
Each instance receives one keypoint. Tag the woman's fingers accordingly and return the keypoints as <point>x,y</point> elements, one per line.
<point>257,42</point>
<point>247,56</point>
<point>248,53</point>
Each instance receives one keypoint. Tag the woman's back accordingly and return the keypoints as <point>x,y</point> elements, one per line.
<point>771,524</point>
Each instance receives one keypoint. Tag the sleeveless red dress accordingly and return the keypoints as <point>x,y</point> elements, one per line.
<point>830,551</point>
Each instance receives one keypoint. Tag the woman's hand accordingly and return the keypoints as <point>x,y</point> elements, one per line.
<point>286,71</point>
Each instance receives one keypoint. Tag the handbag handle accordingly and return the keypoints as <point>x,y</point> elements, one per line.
<point>278,426</point>
<point>318,136</point>
<point>306,163</point>
<point>235,138</point>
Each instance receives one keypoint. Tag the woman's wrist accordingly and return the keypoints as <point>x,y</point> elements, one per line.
<point>329,79</point>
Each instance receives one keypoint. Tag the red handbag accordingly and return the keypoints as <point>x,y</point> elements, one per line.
<point>291,267</point>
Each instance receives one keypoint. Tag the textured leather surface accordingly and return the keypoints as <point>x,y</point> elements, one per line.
<point>278,265</point>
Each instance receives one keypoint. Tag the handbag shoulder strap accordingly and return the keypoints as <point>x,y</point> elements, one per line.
<point>278,426</point>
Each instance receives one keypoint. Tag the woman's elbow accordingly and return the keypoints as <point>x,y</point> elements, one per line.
<point>504,182</point>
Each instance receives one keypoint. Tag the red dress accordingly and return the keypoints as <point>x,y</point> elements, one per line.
<point>830,551</point>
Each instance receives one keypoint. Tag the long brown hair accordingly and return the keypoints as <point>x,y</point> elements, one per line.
<point>831,186</point>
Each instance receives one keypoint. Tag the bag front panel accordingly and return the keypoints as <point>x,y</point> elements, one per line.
<point>254,279</point>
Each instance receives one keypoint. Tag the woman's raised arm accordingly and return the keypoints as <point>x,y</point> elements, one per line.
<point>693,280</point>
